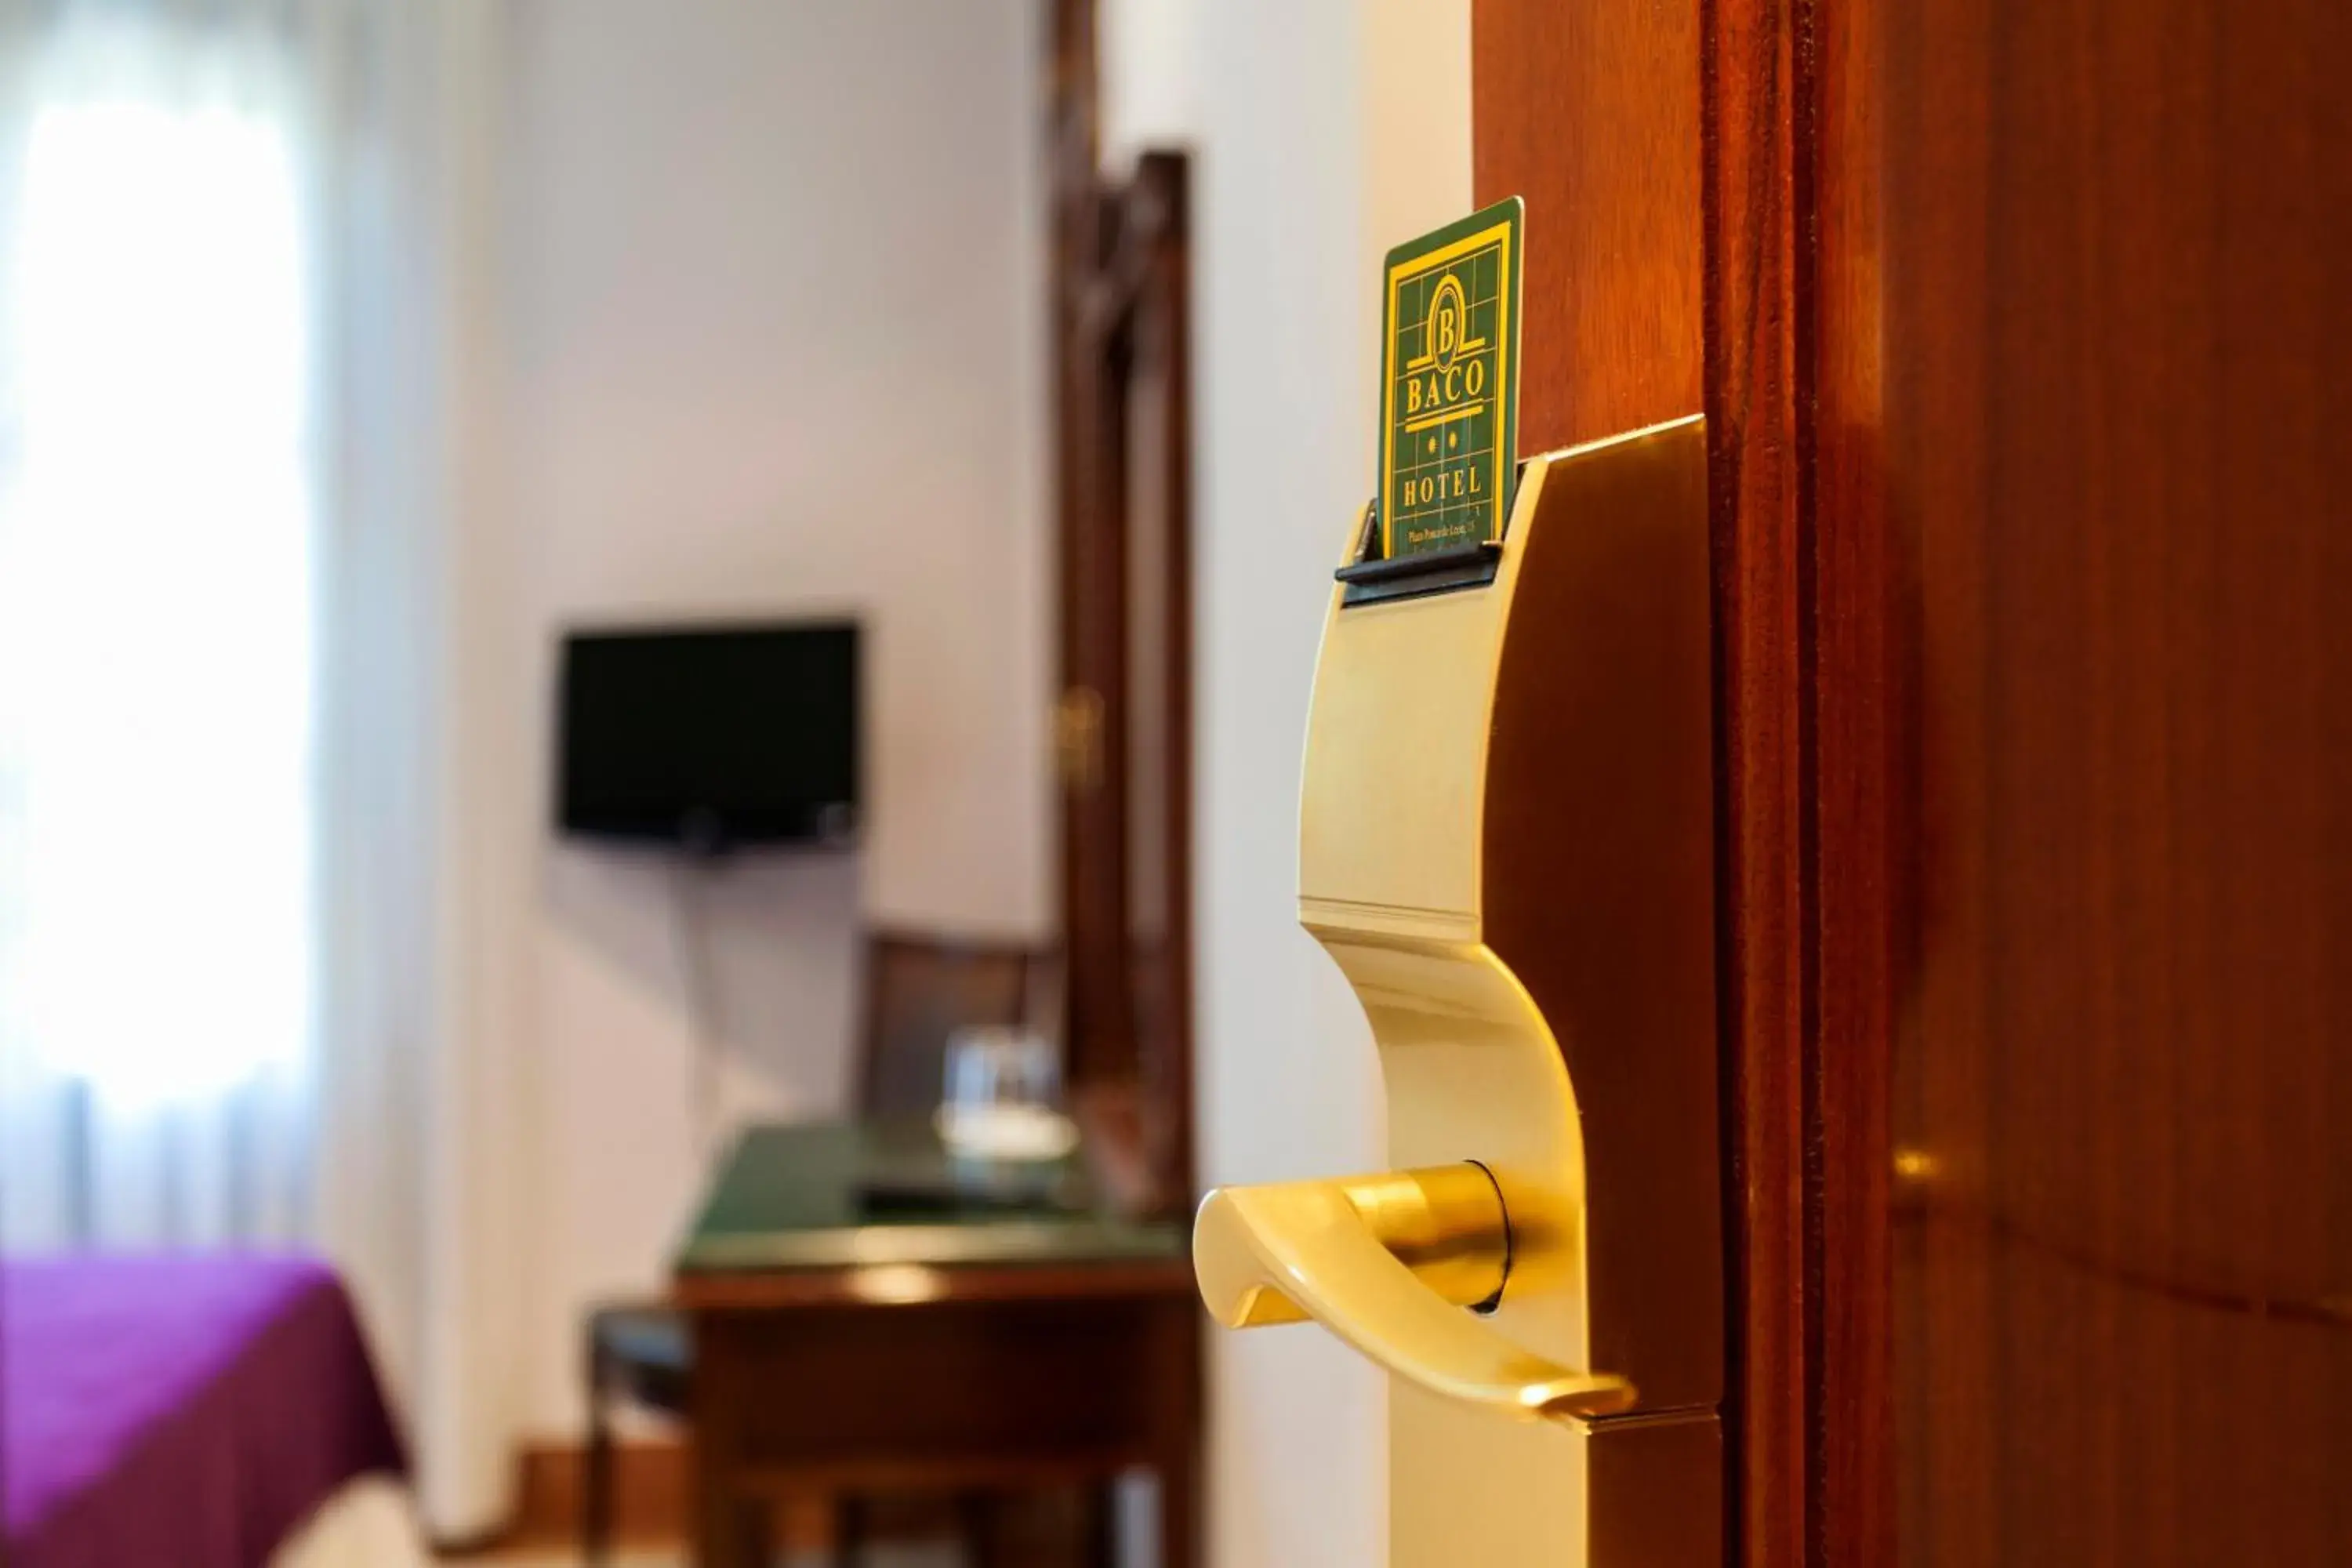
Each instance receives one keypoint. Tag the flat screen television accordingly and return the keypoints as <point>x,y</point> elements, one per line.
<point>710,737</point>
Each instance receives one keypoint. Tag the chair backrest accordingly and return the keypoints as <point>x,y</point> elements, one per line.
<point>920,989</point>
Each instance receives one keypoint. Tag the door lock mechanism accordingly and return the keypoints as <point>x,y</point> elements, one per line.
<point>1505,839</point>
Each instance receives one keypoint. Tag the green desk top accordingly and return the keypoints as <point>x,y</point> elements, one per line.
<point>836,1195</point>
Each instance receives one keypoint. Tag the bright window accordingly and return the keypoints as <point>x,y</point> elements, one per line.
<point>156,601</point>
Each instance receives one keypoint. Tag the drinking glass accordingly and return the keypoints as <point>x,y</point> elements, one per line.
<point>1002,1096</point>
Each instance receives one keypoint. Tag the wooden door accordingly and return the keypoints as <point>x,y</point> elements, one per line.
<point>1122,291</point>
<point>2019,327</point>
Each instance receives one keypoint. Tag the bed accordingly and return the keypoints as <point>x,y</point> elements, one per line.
<point>198,1411</point>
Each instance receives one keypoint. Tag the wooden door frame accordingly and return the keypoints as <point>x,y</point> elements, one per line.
<point>1811,691</point>
<point>1702,233</point>
<point>1091,778</point>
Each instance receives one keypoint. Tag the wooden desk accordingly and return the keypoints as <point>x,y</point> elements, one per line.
<point>838,1349</point>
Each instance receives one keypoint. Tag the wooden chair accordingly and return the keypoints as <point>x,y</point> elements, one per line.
<point>641,1352</point>
<point>920,989</point>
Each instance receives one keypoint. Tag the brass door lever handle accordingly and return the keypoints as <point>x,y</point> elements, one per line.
<point>1388,1263</point>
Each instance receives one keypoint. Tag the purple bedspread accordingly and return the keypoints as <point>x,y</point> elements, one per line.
<point>177,1411</point>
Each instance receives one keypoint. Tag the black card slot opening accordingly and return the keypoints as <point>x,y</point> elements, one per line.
<point>1470,565</point>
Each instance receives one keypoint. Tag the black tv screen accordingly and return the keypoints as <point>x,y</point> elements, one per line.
<point>710,736</point>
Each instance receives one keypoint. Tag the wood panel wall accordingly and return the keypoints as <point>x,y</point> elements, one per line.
<point>2114,284</point>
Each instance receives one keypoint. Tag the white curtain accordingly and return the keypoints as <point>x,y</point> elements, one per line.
<point>156,631</point>
<point>250,978</point>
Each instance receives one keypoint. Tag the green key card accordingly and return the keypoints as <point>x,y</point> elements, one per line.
<point>1450,383</point>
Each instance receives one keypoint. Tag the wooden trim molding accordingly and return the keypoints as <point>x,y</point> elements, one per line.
<point>1808,636</point>
<point>1748,195</point>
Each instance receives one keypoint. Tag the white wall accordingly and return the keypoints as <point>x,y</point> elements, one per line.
<point>775,340</point>
<point>1328,130</point>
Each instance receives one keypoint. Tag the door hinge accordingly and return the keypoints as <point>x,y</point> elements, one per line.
<point>1079,739</point>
